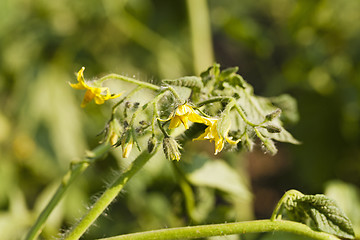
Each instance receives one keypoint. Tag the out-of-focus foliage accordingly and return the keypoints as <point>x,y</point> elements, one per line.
<point>308,49</point>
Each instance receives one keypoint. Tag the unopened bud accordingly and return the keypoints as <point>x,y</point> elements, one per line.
<point>272,128</point>
<point>113,132</point>
<point>151,144</point>
<point>171,149</point>
<point>273,115</point>
<point>127,104</point>
<point>144,123</point>
<point>127,142</point>
<point>269,146</point>
<point>136,105</point>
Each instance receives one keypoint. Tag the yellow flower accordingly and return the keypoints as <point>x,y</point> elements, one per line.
<point>183,114</point>
<point>211,133</point>
<point>92,92</point>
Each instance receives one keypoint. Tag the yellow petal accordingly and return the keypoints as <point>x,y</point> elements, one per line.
<point>183,110</point>
<point>87,98</point>
<point>175,122</point>
<point>184,120</point>
<point>99,100</point>
<point>196,118</point>
<point>219,145</point>
<point>79,86</point>
<point>115,96</point>
<point>127,149</point>
<point>80,75</point>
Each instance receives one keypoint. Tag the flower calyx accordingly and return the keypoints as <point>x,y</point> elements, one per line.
<point>171,148</point>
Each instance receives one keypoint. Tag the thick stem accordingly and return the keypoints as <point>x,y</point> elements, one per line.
<point>108,196</point>
<point>201,40</point>
<point>258,226</point>
<point>276,215</point>
<point>74,171</point>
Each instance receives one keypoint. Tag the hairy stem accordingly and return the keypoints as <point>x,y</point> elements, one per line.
<point>258,226</point>
<point>75,170</point>
<point>108,196</point>
<point>130,80</point>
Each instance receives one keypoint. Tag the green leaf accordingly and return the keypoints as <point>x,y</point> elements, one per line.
<point>289,108</point>
<point>257,109</point>
<point>324,214</point>
<point>226,73</point>
<point>216,174</point>
<point>347,196</point>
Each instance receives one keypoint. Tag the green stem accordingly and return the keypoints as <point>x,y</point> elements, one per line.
<point>186,189</point>
<point>168,53</point>
<point>130,80</point>
<point>75,170</point>
<point>124,98</point>
<point>201,39</point>
<point>212,100</point>
<point>175,94</point>
<point>233,103</point>
<point>276,215</point>
<point>108,196</point>
<point>258,226</point>
<point>243,116</point>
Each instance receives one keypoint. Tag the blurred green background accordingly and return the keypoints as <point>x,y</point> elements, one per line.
<point>308,49</point>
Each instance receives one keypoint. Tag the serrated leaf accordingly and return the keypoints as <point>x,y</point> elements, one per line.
<point>289,108</point>
<point>282,136</point>
<point>326,215</point>
<point>257,108</point>
<point>227,73</point>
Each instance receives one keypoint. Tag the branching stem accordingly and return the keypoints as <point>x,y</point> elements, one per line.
<point>257,226</point>
<point>109,195</point>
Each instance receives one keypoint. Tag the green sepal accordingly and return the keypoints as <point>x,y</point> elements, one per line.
<point>238,80</point>
<point>210,73</point>
<point>226,73</point>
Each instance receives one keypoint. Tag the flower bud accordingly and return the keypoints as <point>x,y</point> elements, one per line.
<point>171,149</point>
<point>136,105</point>
<point>273,115</point>
<point>272,128</point>
<point>151,144</point>
<point>127,104</point>
<point>269,146</point>
<point>127,142</point>
<point>114,131</point>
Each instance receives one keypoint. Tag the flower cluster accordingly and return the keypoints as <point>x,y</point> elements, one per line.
<point>231,95</point>
<point>185,113</point>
